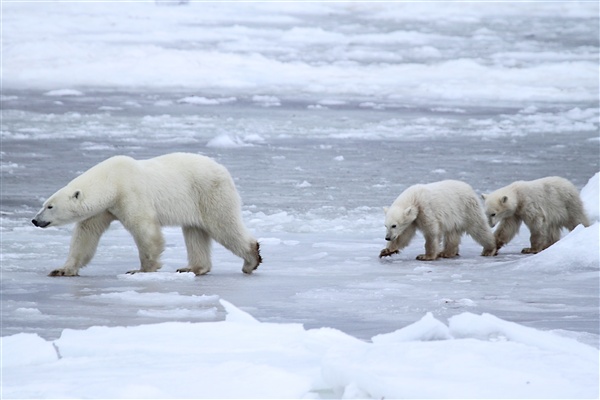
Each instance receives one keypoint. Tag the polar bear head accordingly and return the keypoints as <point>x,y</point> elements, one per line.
<point>499,205</point>
<point>397,220</point>
<point>63,207</point>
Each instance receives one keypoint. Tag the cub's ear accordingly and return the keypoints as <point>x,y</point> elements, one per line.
<point>484,196</point>
<point>411,213</point>
<point>504,199</point>
<point>77,194</point>
<point>385,210</point>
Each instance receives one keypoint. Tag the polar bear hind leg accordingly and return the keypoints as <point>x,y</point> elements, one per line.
<point>451,243</point>
<point>198,244</point>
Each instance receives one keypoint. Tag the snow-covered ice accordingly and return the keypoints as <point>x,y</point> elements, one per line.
<point>323,113</point>
<point>474,356</point>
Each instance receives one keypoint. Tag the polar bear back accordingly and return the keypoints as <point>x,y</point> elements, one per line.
<point>552,188</point>
<point>552,196</point>
<point>453,204</point>
<point>179,188</point>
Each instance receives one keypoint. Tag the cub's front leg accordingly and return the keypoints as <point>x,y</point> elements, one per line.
<point>431,248</point>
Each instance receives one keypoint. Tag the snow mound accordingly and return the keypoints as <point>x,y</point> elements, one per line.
<point>473,357</point>
<point>427,328</point>
<point>578,251</point>
<point>590,195</point>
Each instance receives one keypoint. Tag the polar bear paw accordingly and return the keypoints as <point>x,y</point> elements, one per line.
<point>445,254</point>
<point>489,252</point>
<point>529,250</point>
<point>63,272</point>
<point>426,257</point>
<point>387,252</point>
<point>250,266</point>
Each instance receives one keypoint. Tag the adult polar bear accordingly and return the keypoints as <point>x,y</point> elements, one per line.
<point>441,210</point>
<point>183,189</point>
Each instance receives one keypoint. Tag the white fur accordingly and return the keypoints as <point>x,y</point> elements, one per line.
<point>441,211</point>
<point>545,205</point>
<point>180,189</point>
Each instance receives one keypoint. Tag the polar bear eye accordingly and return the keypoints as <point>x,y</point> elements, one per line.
<point>493,215</point>
<point>393,226</point>
<point>50,207</point>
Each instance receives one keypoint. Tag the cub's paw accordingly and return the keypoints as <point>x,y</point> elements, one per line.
<point>426,257</point>
<point>529,250</point>
<point>489,252</point>
<point>387,252</point>
<point>447,255</point>
<point>62,272</point>
<point>184,270</point>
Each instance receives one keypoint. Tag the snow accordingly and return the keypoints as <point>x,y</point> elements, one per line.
<point>590,195</point>
<point>323,113</point>
<point>475,356</point>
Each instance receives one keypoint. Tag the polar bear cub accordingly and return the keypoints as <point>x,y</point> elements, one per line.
<point>545,205</point>
<point>441,211</point>
<point>181,189</point>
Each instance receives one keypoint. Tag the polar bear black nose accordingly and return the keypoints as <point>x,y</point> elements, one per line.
<point>388,238</point>
<point>40,224</point>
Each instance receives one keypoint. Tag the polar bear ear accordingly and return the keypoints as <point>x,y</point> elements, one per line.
<point>504,199</point>
<point>484,196</point>
<point>411,213</point>
<point>77,194</point>
<point>385,210</point>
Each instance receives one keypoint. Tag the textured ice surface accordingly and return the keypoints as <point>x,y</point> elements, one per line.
<point>323,113</point>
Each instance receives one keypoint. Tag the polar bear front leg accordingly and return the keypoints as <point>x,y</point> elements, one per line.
<point>506,231</point>
<point>432,240</point>
<point>403,240</point>
<point>84,243</point>
<point>150,243</point>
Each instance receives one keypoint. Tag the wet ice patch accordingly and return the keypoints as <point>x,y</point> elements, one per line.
<point>179,313</point>
<point>133,297</point>
<point>266,101</point>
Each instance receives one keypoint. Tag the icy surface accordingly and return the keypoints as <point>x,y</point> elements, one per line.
<point>323,113</point>
<point>476,357</point>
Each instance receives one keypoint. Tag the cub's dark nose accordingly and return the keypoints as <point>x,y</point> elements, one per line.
<point>387,238</point>
<point>34,221</point>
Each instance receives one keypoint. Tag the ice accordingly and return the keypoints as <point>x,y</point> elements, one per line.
<point>476,356</point>
<point>63,92</point>
<point>227,142</point>
<point>323,113</point>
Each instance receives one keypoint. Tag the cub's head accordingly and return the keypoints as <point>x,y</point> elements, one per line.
<point>63,207</point>
<point>397,220</point>
<point>499,205</point>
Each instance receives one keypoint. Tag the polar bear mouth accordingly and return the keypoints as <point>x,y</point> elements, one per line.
<point>40,224</point>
